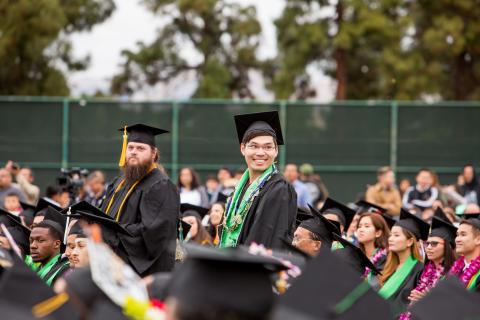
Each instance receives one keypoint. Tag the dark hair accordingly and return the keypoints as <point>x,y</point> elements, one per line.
<point>186,312</point>
<point>195,178</point>
<point>212,177</point>
<point>253,134</point>
<point>157,153</point>
<point>379,223</point>
<point>52,191</point>
<point>382,170</point>
<point>448,257</point>
<point>12,194</point>
<point>53,232</point>
<point>476,230</point>
<point>226,169</point>
<point>202,237</point>
<point>424,170</point>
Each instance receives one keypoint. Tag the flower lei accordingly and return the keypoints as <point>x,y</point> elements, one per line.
<point>375,259</point>
<point>144,310</point>
<point>428,279</point>
<point>467,275</point>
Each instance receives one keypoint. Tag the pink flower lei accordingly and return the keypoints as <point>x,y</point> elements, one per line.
<point>375,259</point>
<point>467,275</point>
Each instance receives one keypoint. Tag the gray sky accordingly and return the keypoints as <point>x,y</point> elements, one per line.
<point>131,23</point>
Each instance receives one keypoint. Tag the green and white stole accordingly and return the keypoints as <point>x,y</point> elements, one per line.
<point>43,271</point>
<point>396,279</point>
<point>237,211</point>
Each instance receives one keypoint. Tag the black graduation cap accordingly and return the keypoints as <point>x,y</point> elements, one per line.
<point>182,229</point>
<point>142,133</point>
<point>354,256</point>
<point>234,279</point>
<point>26,206</point>
<point>265,122</point>
<point>43,204</point>
<point>447,300</point>
<point>330,289</point>
<point>344,213</point>
<point>302,215</point>
<point>443,229</point>
<point>221,197</point>
<point>77,230</point>
<point>439,213</point>
<point>86,211</point>
<point>365,206</point>
<point>9,219</point>
<point>472,218</point>
<point>159,286</point>
<point>414,224</point>
<point>55,219</point>
<point>187,209</point>
<point>21,235</point>
<point>321,226</point>
<point>22,289</point>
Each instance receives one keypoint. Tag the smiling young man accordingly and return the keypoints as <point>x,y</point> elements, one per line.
<point>467,242</point>
<point>263,207</point>
<point>145,202</point>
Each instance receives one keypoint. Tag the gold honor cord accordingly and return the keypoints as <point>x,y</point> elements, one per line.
<point>48,306</point>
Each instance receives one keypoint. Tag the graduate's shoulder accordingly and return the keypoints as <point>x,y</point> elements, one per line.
<point>278,183</point>
<point>157,180</point>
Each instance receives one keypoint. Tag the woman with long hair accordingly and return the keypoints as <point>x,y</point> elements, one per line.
<point>440,248</point>
<point>404,261</point>
<point>193,215</point>
<point>372,234</point>
<point>189,186</point>
<point>216,214</point>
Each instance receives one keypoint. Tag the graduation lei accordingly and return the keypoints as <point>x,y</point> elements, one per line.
<point>237,209</point>
<point>470,276</point>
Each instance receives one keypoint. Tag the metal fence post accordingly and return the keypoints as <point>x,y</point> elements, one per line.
<point>65,131</point>
<point>283,122</point>
<point>175,138</point>
<point>393,135</point>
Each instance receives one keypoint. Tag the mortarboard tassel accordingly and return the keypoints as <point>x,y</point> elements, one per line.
<point>121,163</point>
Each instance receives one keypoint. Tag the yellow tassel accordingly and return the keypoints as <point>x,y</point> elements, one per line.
<point>121,163</point>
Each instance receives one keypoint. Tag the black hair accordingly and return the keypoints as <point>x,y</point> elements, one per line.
<point>12,194</point>
<point>53,232</point>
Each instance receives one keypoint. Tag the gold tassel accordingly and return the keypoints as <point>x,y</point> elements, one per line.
<point>121,163</point>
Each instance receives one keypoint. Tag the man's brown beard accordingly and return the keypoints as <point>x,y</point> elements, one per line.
<point>133,173</point>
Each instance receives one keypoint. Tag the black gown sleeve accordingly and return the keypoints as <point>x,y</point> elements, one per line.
<point>274,216</point>
<point>156,229</point>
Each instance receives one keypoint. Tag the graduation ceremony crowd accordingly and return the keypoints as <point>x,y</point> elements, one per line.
<point>256,243</point>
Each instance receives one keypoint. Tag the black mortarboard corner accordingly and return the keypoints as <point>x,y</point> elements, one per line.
<point>447,300</point>
<point>221,197</point>
<point>56,220</point>
<point>444,229</point>
<point>414,224</point>
<point>21,235</point>
<point>365,206</point>
<point>344,213</point>
<point>330,289</point>
<point>43,203</point>
<point>302,215</point>
<point>354,256</point>
<point>22,289</point>
<point>235,280</point>
<point>187,209</point>
<point>439,213</point>
<point>138,133</point>
<point>88,212</point>
<point>321,226</point>
<point>9,219</point>
<point>264,122</point>
<point>472,218</point>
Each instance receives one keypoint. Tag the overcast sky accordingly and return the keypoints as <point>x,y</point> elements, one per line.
<point>131,23</point>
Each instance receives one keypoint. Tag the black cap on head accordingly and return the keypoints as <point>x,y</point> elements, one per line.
<point>231,280</point>
<point>318,293</point>
<point>262,122</point>
<point>447,300</point>
<point>222,197</point>
<point>142,133</point>
<point>22,289</point>
<point>344,213</point>
<point>323,228</point>
<point>85,211</point>
<point>187,209</point>
<point>56,220</point>
<point>303,214</point>
<point>77,230</point>
<point>9,219</point>
<point>365,206</point>
<point>354,256</point>
<point>21,235</point>
<point>414,224</point>
<point>43,203</point>
<point>472,218</point>
<point>439,213</point>
<point>444,230</point>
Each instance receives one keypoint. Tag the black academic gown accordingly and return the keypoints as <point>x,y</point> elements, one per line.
<point>399,299</point>
<point>271,216</point>
<point>150,214</point>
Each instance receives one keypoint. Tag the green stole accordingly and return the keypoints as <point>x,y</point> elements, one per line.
<point>236,212</point>
<point>45,269</point>
<point>390,287</point>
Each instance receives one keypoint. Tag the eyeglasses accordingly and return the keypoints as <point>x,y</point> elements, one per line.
<point>256,147</point>
<point>298,239</point>
<point>433,244</point>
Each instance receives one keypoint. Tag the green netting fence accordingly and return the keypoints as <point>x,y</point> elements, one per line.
<point>345,141</point>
